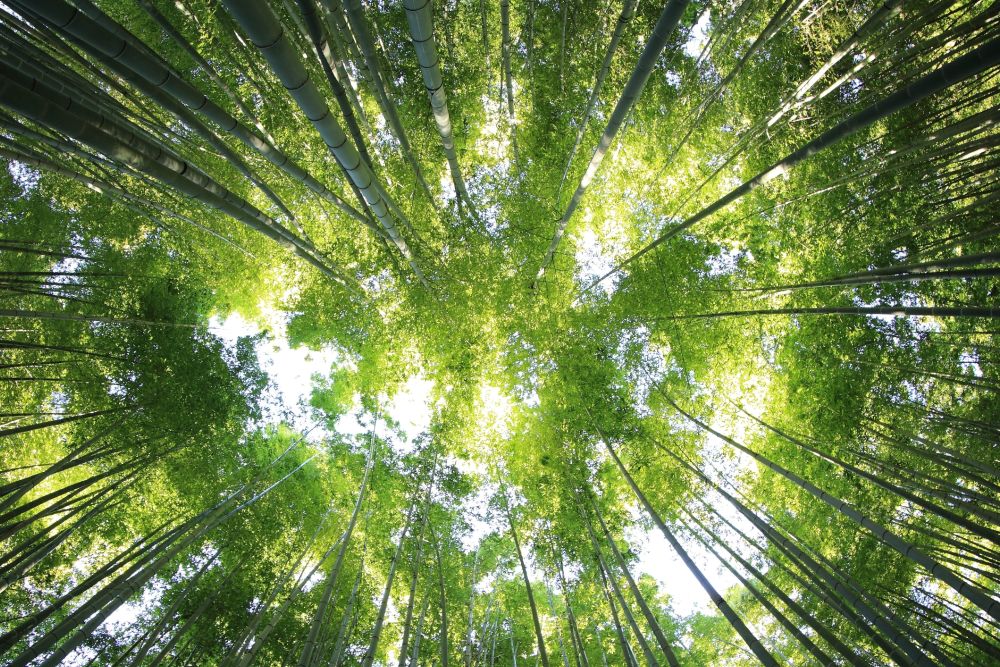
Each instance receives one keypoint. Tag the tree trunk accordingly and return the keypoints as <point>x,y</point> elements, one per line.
<point>472,608</point>
<point>342,635</point>
<point>310,646</point>
<point>637,81</point>
<point>908,550</point>
<point>734,620</point>
<point>369,656</point>
<point>420,19</point>
<point>328,61</point>
<point>267,33</point>
<point>506,48</point>
<point>359,27</point>
<point>654,625</point>
<point>627,654</point>
<point>958,70</point>
<point>442,601</point>
<point>415,655</point>
<point>628,11</point>
<point>527,585</point>
<point>414,576</point>
<point>894,311</point>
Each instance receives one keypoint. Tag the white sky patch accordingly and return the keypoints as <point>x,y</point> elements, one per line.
<point>727,261</point>
<point>25,177</point>
<point>410,407</point>
<point>378,282</point>
<point>475,506</point>
<point>127,614</point>
<point>531,399</point>
<point>497,142</point>
<point>698,38</point>
<point>969,360</point>
<point>348,424</point>
<point>471,467</point>
<point>593,260</point>
<point>658,559</point>
<point>494,411</point>
<point>447,185</point>
<point>290,369</point>
<point>314,580</point>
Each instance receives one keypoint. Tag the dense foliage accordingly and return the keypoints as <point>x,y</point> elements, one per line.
<point>699,289</point>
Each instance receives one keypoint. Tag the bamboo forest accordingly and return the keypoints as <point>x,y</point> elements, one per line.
<point>499,333</point>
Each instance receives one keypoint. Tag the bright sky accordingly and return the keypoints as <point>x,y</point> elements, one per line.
<point>658,560</point>
<point>698,37</point>
<point>593,260</point>
<point>292,369</point>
